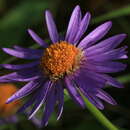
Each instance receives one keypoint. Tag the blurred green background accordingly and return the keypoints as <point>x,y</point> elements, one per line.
<point>16,16</point>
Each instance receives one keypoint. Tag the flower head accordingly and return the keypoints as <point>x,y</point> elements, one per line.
<point>73,63</point>
<point>60,59</point>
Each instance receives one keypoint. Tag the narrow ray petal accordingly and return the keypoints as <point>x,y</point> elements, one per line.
<point>52,29</point>
<point>73,92</point>
<point>41,98</point>
<point>82,27</point>
<point>95,35</point>
<point>91,97</point>
<point>112,81</point>
<point>60,99</point>
<point>35,120</point>
<point>49,107</point>
<point>6,81</point>
<point>19,54</point>
<point>24,91</point>
<point>106,97</point>
<point>18,67</point>
<point>124,57</point>
<point>98,102</point>
<point>28,103</point>
<point>29,50</point>
<point>90,78</point>
<point>73,25</point>
<point>13,77</point>
<point>106,67</point>
<point>114,54</point>
<point>22,75</point>
<point>106,45</point>
<point>37,39</point>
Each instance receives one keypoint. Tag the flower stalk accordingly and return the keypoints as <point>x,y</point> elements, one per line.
<point>98,115</point>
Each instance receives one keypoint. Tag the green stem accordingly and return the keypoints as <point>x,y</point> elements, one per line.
<point>124,79</point>
<point>98,115</point>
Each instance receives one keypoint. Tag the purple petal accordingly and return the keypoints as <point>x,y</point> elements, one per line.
<point>41,98</point>
<point>89,79</point>
<point>29,50</point>
<point>107,79</point>
<point>23,75</point>
<point>82,27</point>
<point>112,81</point>
<point>73,25</point>
<point>106,67</point>
<point>6,80</point>
<point>114,54</point>
<point>51,27</point>
<point>73,92</point>
<point>49,108</point>
<point>95,35</point>
<point>88,88</point>
<point>24,91</point>
<point>18,67</point>
<point>28,103</point>
<point>97,102</point>
<point>37,39</point>
<point>124,57</point>
<point>34,120</point>
<point>19,54</point>
<point>13,77</point>
<point>90,95</point>
<point>106,97</point>
<point>106,45</point>
<point>60,99</point>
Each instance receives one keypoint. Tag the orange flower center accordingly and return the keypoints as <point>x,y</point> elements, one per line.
<point>6,110</point>
<point>60,59</point>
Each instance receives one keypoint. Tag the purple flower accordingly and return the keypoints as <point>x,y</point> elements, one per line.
<point>75,64</point>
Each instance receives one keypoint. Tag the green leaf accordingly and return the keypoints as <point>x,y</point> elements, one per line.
<point>113,14</point>
<point>13,26</point>
<point>124,78</point>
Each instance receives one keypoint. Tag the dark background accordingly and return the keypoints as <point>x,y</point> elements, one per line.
<point>16,16</point>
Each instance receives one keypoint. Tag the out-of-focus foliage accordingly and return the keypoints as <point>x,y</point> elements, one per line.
<point>16,16</point>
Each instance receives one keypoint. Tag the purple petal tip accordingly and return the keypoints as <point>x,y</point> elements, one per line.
<point>77,8</point>
<point>123,35</point>
<point>109,23</point>
<point>5,49</point>
<point>89,14</point>
<point>47,12</point>
<point>9,100</point>
<point>30,31</point>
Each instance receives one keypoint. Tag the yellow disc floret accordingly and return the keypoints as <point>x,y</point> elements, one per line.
<point>60,59</point>
<point>6,110</point>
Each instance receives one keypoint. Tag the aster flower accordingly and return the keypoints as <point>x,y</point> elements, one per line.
<point>73,63</point>
<point>8,111</point>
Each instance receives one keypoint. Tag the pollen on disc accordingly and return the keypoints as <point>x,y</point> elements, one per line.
<point>59,58</point>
